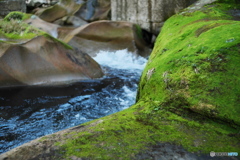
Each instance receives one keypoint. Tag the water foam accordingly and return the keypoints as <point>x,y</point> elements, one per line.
<point>121,59</point>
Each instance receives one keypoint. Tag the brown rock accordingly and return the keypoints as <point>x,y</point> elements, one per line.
<point>59,10</point>
<point>72,21</point>
<point>43,25</point>
<point>43,60</point>
<point>106,35</point>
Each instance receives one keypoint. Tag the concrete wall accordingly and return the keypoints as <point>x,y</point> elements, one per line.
<point>149,14</point>
<point>11,5</point>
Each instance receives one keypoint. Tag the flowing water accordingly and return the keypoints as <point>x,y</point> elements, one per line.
<point>27,113</point>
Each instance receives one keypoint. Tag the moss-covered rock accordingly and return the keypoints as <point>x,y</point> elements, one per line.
<point>14,28</point>
<point>195,65</point>
<point>16,15</point>
<point>188,97</point>
<point>18,25</point>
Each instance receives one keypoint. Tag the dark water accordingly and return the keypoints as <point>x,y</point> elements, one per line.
<point>27,113</point>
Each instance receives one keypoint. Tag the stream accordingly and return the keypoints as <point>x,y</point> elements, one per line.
<point>29,112</point>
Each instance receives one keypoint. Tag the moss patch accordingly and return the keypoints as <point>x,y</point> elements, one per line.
<point>125,134</point>
<point>13,27</point>
<point>139,31</point>
<point>20,16</point>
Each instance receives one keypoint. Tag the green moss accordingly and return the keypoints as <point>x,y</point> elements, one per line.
<point>125,134</point>
<point>188,94</point>
<point>67,46</point>
<point>15,29</point>
<point>43,139</point>
<point>139,31</point>
<point>16,15</point>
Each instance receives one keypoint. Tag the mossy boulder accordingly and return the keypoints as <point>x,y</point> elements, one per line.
<point>12,27</point>
<point>20,24</point>
<point>188,99</point>
<point>195,65</point>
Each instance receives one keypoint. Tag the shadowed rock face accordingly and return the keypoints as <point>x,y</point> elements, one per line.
<point>42,60</point>
<point>94,10</point>
<point>106,35</point>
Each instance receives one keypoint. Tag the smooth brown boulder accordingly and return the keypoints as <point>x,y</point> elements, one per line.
<point>106,35</point>
<point>75,13</point>
<point>70,21</point>
<point>46,61</point>
<point>50,28</point>
<point>61,9</point>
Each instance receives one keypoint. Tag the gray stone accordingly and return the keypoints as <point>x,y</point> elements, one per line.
<point>11,5</point>
<point>149,14</point>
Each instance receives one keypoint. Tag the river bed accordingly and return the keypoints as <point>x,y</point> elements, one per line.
<point>29,112</point>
